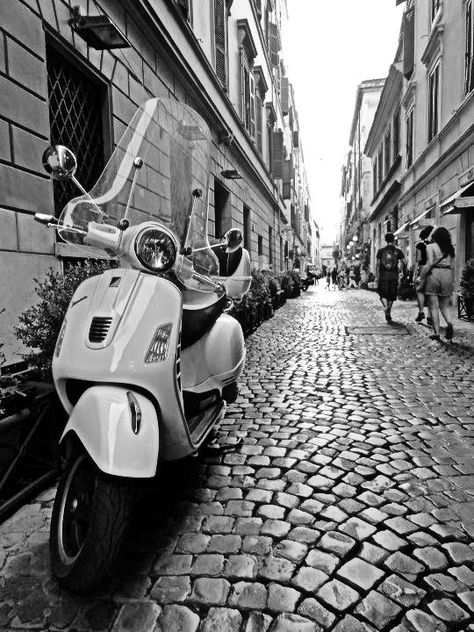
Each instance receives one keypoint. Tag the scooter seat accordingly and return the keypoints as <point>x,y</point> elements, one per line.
<point>200,312</point>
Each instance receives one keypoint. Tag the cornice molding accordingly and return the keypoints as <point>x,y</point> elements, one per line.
<point>409,96</point>
<point>434,48</point>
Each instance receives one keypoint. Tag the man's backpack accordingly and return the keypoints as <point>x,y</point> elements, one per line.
<point>389,260</point>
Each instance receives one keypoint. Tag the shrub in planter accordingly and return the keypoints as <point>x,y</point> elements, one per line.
<point>39,325</point>
<point>256,305</point>
<point>276,293</point>
<point>290,284</point>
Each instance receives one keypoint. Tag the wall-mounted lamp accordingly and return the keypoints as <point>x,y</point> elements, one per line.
<point>231,174</point>
<point>98,31</point>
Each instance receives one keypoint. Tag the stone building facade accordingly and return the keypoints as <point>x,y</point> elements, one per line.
<point>222,57</point>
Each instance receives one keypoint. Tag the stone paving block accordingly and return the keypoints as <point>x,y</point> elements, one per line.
<point>357,528</point>
<point>276,569</point>
<point>272,512</point>
<point>173,565</point>
<point>242,566</point>
<point>459,552</point>
<point>294,623</point>
<point>192,543</point>
<point>422,539</point>
<point>210,591</point>
<point>248,596</point>
<point>222,619</point>
<point>291,550</point>
<point>378,610</point>
<point>282,598</point>
<point>289,501</point>
<point>257,545</point>
<point>325,562</point>
<point>400,525</point>
<point>259,495</point>
<point>432,558</point>
<point>447,610</point>
<point>337,595</point>
<point>404,593</point>
<point>388,540</point>
<point>309,579</point>
<point>224,544</point>
<point>304,535</point>
<point>171,589</point>
<point>441,582</point>
<point>468,600</point>
<point>298,489</point>
<point>423,622</point>
<point>360,573</point>
<point>258,622</point>
<point>178,619</point>
<point>208,564</point>
<point>463,574</point>
<point>312,609</point>
<point>373,554</point>
<point>218,524</point>
<point>298,517</point>
<point>338,543</point>
<point>275,528</point>
<point>248,526</point>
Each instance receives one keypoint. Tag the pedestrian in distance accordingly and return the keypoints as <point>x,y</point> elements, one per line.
<point>352,279</point>
<point>334,276</point>
<point>328,280</point>
<point>420,255</point>
<point>388,259</point>
<point>437,279</point>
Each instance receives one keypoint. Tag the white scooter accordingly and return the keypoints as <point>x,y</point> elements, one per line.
<point>147,357</point>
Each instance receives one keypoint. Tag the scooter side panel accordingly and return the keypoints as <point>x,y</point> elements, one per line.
<point>209,364</point>
<point>102,420</point>
<point>148,303</point>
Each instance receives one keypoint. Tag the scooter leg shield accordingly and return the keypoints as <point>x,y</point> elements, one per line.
<point>119,430</point>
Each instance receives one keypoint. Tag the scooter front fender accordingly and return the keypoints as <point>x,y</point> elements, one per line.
<point>118,428</point>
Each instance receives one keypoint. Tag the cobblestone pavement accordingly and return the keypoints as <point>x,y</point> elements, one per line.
<point>349,506</point>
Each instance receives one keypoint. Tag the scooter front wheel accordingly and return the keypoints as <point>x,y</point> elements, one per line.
<point>90,515</point>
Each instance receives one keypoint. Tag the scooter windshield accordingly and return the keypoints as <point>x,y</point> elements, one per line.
<point>162,157</point>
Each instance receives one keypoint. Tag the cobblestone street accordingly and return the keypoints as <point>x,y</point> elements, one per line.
<point>348,507</point>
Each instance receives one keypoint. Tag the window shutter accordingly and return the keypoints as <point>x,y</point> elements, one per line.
<point>251,105</point>
<point>259,123</point>
<point>277,154</point>
<point>220,40</point>
<point>306,213</point>
<point>274,44</point>
<point>408,42</point>
<point>296,139</point>
<point>284,95</point>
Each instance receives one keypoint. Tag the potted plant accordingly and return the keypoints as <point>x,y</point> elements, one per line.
<point>466,289</point>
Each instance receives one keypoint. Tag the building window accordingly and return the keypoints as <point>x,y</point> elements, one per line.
<point>468,51</point>
<point>222,211</point>
<point>380,164</point>
<point>396,134</point>
<point>387,150</point>
<point>220,40</point>
<point>270,245</point>
<point>77,115</point>
<point>409,137</point>
<point>260,245</point>
<point>433,105</point>
<point>374,175</point>
<point>247,229</point>
<point>248,96</point>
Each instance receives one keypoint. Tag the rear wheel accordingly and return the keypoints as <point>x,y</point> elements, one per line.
<point>90,516</point>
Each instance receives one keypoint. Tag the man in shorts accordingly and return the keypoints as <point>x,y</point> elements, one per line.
<point>388,259</point>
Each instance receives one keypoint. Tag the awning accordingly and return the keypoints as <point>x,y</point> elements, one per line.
<point>448,207</point>
<point>402,229</point>
<point>419,217</point>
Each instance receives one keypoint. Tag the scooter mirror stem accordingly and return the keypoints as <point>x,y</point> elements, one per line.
<point>138,164</point>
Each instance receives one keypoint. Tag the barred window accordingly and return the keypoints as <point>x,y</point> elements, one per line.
<point>76,120</point>
<point>433,105</point>
<point>468,51</point>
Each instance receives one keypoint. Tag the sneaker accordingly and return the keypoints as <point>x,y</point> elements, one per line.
<point>429,321</point>
<point>449,332</point>
<point>420,317</point>
<point>435,337</point>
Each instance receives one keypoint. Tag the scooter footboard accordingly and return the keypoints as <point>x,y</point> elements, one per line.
<point>119,430</point>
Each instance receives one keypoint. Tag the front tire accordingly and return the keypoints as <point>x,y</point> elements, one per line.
<point>90,515</point>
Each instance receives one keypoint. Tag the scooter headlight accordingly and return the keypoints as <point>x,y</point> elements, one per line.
<point>155,249</point>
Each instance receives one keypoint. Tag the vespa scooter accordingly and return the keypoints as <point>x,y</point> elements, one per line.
<point>147,357</point>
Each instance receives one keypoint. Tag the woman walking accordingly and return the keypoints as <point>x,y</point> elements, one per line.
<point>437,276</point>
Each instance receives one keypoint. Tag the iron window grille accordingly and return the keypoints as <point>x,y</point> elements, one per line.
<point>76,120</point>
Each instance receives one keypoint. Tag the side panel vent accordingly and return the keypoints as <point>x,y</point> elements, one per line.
<point>99,328</point>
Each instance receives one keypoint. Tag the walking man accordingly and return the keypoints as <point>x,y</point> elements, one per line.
<point>388,259</point>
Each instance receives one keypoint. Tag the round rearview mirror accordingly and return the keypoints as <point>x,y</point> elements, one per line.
<point>233,239</point>
<point>59,162</point>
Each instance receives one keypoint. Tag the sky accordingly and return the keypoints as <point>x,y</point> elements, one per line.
<point>329,47</point>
